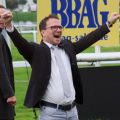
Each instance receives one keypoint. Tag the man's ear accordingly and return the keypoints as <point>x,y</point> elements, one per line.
<point>42,32</point>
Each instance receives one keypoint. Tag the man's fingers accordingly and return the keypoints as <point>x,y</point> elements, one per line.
<point>11,100</point>
<point>6,15</point>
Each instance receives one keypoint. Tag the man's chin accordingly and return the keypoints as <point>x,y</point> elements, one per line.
<point>57,41</point>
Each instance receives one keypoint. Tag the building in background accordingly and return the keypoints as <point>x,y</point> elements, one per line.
<point>21,5</point>
<point>29,6</point>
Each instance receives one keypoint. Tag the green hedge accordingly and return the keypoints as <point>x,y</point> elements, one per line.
<point>24,16</point>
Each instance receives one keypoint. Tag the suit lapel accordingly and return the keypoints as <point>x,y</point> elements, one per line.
<point>45,50</point>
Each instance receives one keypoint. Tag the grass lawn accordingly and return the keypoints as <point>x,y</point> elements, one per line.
<point>21,83</point>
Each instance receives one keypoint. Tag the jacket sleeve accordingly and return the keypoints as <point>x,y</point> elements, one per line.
<point>24,47</point>
<point>91,38</point>
<point>5,86</point>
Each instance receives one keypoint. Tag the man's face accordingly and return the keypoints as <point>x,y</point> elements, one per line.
<point>2,10</point>
<point>52,33</point>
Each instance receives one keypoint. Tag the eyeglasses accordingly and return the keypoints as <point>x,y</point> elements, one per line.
<point>55,28</point>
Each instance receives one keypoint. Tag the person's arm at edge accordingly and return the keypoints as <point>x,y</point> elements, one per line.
<point>24,47</point>
<point>95,35</point>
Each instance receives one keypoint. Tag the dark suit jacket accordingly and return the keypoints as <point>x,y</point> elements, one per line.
<point>39,57</point>
<point>6,80</point>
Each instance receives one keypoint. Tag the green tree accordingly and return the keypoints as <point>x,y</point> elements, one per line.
<point>22,2</point>
<point>35,1</point>
<point>11,4</point>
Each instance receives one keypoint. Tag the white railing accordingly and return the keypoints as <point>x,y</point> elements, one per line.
<point>21,64</point>
<point>93,57</point>
<point>34,32</point>
<point>26,27</point>
<point>98,59</point>
<point>86,59</point>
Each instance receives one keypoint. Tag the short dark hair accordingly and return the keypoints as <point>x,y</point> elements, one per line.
<point>42,25</point>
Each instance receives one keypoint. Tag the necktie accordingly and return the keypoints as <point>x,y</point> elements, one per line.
<point>62,71</point>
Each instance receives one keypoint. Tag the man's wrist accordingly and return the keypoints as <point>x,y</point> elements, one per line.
<point>110,24</point>
<point>10,28</point>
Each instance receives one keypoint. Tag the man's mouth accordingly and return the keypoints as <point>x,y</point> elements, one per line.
<point>58,35</point>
